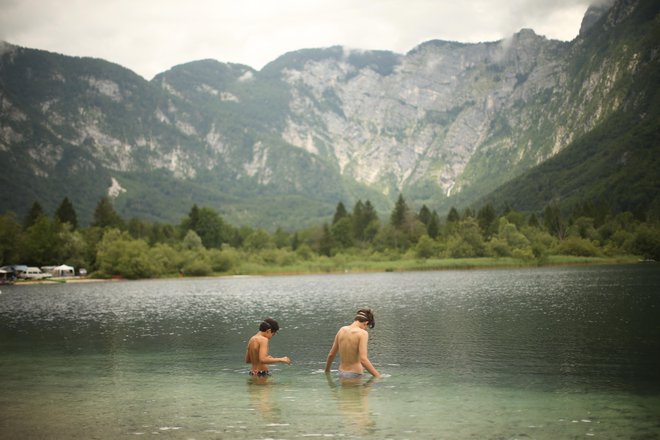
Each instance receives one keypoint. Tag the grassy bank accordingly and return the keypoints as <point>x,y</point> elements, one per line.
<point>342,264</point>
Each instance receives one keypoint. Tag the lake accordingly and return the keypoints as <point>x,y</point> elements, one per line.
<point>541,353</point>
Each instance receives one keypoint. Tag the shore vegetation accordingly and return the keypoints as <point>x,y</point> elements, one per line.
<point>354,240</point>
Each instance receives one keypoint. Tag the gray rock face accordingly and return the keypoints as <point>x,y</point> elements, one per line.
<point>442,120</point>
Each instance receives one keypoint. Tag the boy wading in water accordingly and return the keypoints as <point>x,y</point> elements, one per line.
<point>257,349</point>
<point>351,343</point>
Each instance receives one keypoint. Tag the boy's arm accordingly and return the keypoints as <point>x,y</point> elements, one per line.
<point>265,358</point>
<point>248,359</point>
<point>331,355</point>
<point>364,358</point>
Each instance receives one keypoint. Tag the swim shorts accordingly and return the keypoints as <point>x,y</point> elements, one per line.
<point>260,373</point>
<point>349,375</point>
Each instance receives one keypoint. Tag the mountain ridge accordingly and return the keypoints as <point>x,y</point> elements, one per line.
<point>445,124</point>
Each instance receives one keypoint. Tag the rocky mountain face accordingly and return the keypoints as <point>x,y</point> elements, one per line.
<point>444,124</point>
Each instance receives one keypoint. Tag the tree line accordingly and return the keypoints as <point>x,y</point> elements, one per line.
<point>204,244</point>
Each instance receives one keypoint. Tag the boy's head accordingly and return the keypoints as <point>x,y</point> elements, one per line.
<point>366,315</point>
<point>269,324</point>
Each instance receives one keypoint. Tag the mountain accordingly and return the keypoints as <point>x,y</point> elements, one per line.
<point>445,124</point>
<point>617,162</point>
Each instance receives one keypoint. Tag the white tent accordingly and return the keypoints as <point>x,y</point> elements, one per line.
<point>63,271</point>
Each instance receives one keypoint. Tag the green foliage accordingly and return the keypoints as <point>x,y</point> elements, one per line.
<point>10,244</point>
<point>554,221</point>
<point>426,247</point>
<point>577,246</point>
<point>340,213</point>
<point>120,255</point>
<point>467,241</point>
<point>365,221</point>
<point>167,258</point>
<point>196,263</point>
<point>225,260</point>
<point>486,217</point>
<point>35,212</point>
<point>400,213</point>
<point>135,253</point>
<point>208,225</point>
<point>342,232</point>
<point>327,242</point>
<point>43,242</point>
<point>646,242</point>
<point>192,241</point>
<point>105,215</point>
<point>258,240</point>
<point>452,216</point>
<point>66,213</point>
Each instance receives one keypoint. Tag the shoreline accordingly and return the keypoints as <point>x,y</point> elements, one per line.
<point>365,266</point>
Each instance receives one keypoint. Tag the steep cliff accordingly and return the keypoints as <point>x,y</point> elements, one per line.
<point>444,124</point>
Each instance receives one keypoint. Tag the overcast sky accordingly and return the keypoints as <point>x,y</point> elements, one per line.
<point>150,36</point>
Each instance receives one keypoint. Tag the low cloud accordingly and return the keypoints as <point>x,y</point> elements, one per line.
<point>151,36</point>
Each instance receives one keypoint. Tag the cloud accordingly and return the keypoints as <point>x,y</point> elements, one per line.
<point>150,36</point>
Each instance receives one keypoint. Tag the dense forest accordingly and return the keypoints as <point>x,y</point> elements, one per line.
<point>205,244</point>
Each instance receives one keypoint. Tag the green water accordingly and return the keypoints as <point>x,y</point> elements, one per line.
<point>503,354</point>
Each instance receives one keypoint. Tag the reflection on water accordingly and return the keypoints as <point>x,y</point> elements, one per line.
<point>537,353</point>
<point>352,397</point>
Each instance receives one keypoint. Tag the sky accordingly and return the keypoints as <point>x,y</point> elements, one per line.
<point>151,36</point>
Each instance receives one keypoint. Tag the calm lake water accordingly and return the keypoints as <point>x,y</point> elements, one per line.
<point>549,353</point>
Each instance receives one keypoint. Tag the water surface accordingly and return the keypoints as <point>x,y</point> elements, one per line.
<point>533,353</point>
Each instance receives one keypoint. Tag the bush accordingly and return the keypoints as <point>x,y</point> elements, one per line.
<point>425,247</point>
<point>646,242</point>
<point>579,247</point>
<point>499,248</point>
<point>166,257</point>
<point>305,252</point>
<point>223,261</point>
<point>526,254</point>
<point>197,268</point>
<point>119,254</point>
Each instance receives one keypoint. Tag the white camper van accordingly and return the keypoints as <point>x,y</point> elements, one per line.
<point>34,273</point>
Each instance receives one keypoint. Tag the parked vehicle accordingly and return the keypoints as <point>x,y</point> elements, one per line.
<point>7,277</point>
<point>34,273</point>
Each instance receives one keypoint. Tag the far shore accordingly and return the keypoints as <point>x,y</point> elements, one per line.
<point>364,266</point>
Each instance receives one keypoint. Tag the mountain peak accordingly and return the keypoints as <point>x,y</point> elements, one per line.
<point>594,13</point>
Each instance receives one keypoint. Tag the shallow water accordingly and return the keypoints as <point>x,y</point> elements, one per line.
<point>534,353</point>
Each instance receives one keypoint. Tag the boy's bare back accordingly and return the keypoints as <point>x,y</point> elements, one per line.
<point>348,339</point>
<point>255,345</point>
<point>351,342</point>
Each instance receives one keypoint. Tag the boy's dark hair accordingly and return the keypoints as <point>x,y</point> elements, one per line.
<point>366,315</point>
<point>269,324</point>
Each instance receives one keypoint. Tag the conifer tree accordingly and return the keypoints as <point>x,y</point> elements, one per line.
<point>554,222</point>
<point>340,213</point>
<point>208,224</point>
<point>66,214</point>
<point>399,213</point>
<point>33,215</point>
<point>364,215</point>
<point>452,216</point>
<point>105,215</point>
<point>533,221</point>
<point>424,215</point>
<point>326,242</point>
<point>433,228</point>
<point>295,241</point>
<point>486,217</point>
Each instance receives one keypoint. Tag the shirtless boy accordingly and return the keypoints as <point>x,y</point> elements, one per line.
<point>351,343</point>
<point>257,349</point>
